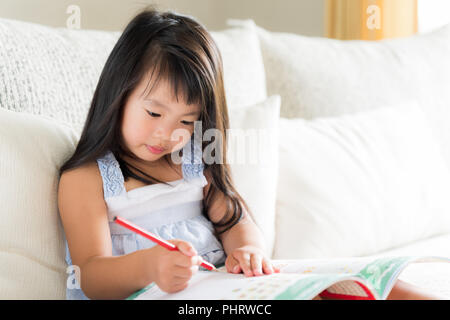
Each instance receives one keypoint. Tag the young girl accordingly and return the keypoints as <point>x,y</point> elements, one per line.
<point>163,76</point>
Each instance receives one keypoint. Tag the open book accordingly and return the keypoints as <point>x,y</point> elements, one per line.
<point>351,278</point>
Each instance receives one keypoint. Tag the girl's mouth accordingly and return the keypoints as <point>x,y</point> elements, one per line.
<point>155,149</point>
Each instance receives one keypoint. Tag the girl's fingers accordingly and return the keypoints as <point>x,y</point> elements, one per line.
<point>232,265</point>
<point>267,266</point>
<point>255,261</point>
<point>244,262</point>
<point>177,281</point>
<point>186,261</point>
<point>179,286</point>
<point>184,247</point>
<point>237,269</point>
<point>183,272</point>
<point>251,264</point>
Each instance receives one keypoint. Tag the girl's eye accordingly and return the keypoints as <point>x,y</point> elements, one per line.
<point>188,123</point>
<point>153,114</point>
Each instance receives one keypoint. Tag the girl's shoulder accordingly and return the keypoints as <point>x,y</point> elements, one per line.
<point>84,180</point>
<point>89,169</point>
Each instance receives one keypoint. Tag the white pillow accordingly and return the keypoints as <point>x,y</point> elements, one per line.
<point>358,184</point>
<point>32,149</point>
<point>243,68</point>
<point>321,77</point>
<point>253,156</point>
<point>54,71</point>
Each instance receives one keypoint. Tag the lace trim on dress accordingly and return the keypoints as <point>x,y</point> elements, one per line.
<point>113,180</point>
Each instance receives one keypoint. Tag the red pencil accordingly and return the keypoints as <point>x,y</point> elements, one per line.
<point>155,238</point>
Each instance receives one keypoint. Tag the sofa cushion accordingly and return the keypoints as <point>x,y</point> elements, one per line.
<point>252,153</point>
<point>54,71</point>
<point>321,77</point>
<point>32,149</point>
<point>359,184</point>
<point>438,246</point>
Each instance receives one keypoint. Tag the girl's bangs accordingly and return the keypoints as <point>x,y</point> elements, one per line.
<point>184,81</point>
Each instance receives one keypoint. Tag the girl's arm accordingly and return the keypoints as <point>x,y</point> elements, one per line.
<point>245,248</point>
<point>244,243</point>
<point>117,277</point>
<point>103,276</point>
<point>84,217</point>
<point>244,233</point>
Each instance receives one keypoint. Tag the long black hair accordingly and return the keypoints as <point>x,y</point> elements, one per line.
<point>182,51</point>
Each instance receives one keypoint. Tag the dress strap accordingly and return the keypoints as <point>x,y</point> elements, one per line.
<point>113,181</point>
<point>192,160</point>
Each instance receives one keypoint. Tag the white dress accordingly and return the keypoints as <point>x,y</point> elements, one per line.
<point>171,211</point>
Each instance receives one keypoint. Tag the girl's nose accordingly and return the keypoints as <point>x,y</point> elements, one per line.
<point>163,132</point>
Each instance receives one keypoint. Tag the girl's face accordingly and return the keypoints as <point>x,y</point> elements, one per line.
<point>150,120</point>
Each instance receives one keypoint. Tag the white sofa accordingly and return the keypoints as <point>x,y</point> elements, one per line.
<point>365,176</point>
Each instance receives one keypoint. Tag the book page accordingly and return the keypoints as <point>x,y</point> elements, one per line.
<point>381,273</point>
<point>365,278</point>
<point>221,285</point>
<point>207,285</point>
<point>335,265</point>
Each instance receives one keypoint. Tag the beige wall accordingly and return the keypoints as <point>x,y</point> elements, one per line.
<point>297,16</point>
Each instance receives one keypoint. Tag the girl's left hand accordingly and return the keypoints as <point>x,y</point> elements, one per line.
<point>251,260</point>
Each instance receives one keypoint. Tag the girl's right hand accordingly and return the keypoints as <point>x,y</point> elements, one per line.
<point>172,270</point>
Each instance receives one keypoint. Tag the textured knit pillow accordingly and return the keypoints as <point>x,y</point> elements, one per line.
<point>54,71</point>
